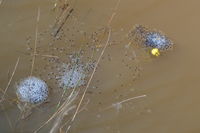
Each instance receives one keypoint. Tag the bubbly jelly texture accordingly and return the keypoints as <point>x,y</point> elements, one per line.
<point>32,90</point>
<point>157,40</point>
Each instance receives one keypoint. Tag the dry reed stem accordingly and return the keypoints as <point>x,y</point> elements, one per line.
<point>63,22</point>
<point>96,65</point>
<point>60,108</point>
<point>69,97</point>
<point>114,13</point>
<point>90,79</point>
<point>7,117</point>
<point>67,103</point>
<point>13,73</point>
<point>64,110</point>
<point>62,18</point>
<point>65,87</point>
<point>36,39</point>
<point>64,9</point>
<point>126,100</point>
<point>4,93</point>
<point>74,89</point>
<point>59,119</point>
<point>65,124</point>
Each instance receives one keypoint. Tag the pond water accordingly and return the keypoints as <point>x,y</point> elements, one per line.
<point>130,90</point>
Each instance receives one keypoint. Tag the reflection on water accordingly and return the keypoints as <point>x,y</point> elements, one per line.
<point>130,91</point>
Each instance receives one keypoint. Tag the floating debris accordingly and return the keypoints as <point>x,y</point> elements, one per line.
<point>32,90</point>
<point>155,52</point>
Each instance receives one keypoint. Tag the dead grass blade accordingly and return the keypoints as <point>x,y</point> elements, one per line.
<point>60,23</point>
<point>66,105</point>
<point>36,39</point>
<point>45,55</point>
<point>7,117</point>
<point>118,105</point>
<point>90,79</point>
<point>10,80</point>
<point>96,65</point>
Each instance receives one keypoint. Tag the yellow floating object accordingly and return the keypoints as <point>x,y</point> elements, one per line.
<point>155,52</point>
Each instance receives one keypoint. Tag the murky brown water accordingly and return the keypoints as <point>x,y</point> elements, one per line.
<point>169,82</point>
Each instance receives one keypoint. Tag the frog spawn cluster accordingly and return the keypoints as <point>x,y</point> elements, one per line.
<point>157,40</point>
<point>73,76</point>
<point>32,90</point>
<point>151,38</point>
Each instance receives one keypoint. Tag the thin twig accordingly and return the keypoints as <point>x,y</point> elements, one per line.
<point>59,18</point>
<point>62,24</point>
<point>49,56</point>
<point>67,103</point>
<point>60,108</point>
<point>89,81</point>
<point>60,118</point>
<point>36,39</point>
<point>13,73</point>
<point>114,13</point>
<point>83,108</point>
<point>66,86</point>
<point>124,101</point>
<point>96,65</point>
<point>7,117</point>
